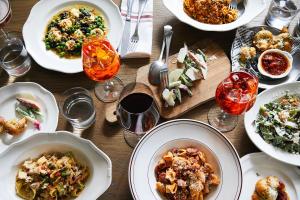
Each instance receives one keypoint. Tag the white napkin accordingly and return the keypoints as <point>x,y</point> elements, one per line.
<point>144,46</point>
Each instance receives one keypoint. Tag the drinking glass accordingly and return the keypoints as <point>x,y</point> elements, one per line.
<point>14,58</point>
<point>78,108</point>
<point>282,12</point>
<point>101,63</point>
<point>235,95</point>
<point>297,29</point>
<point>136,112</point>
<point>5,13</point>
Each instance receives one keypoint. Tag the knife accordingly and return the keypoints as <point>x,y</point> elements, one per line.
<point>127,29</point>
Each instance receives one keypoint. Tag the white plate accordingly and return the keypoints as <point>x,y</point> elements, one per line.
<point>263,98</point>
<point>7,109</point>
<point>181,134</point>
<point>252,9</point>
<point>40,16</point>
<point>84,151</point>
<point>258,165</point>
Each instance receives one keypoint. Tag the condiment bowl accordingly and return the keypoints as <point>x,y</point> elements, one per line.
<point>279,53</point>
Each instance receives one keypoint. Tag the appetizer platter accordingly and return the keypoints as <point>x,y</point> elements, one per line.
<point>262,173</point>
<point>272,123</point>
<point>60,30</point>
<point>157,154</point>
<point>273,54</point>
<point>191,75</point>
<point>54,166</point>
<point>195,13</point>
<point>26,108</point>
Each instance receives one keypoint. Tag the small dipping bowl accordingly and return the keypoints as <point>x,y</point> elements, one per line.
<point>275,63</point>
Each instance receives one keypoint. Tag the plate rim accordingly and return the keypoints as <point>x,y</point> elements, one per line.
<point>197,122</point>
<point>31,18</point>
<point>265,143</point>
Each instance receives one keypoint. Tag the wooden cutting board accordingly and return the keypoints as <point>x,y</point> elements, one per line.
<point>204,90</point>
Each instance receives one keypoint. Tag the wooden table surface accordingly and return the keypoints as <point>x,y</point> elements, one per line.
<point>109,137</point>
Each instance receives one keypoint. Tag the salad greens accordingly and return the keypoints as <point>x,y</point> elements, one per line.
<point>278,123</point>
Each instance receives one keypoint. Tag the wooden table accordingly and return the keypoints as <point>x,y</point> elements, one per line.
<point>109,137</point>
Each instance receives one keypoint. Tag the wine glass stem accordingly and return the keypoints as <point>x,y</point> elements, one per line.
<point>109,86</point>
<point>3,32</point>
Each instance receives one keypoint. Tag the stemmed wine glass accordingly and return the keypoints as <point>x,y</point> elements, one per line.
<point>136,112</point>
<point>235,95</point>
<point>101,63</point>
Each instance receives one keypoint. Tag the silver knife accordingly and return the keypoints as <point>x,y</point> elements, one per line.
<point>127,29</point>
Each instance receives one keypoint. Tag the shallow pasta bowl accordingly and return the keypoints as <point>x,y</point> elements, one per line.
<point>183,134</point>
<point>85,152</point>
<point>252,8</point>
<point>42,12</point>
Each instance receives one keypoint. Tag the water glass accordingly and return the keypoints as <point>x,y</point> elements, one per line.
<point>14,58</point>
<point>297,29</point>
<point>282,12</point>
<point>136,112</point>
<point>78,108</point>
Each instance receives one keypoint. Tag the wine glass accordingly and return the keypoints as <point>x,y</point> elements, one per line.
<point>101,63</point>
<point>136,112</point>
<point>235,95</point>
<point>5,14</point>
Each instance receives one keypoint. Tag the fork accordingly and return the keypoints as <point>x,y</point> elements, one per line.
<point>233,4</point>
<point>135,37</point>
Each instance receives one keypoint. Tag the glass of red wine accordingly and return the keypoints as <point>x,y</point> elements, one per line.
<point>136,112</point>
<point>235,95</point>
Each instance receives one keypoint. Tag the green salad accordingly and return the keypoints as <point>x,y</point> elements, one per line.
<point>66,31</point>
<point>278,123</point>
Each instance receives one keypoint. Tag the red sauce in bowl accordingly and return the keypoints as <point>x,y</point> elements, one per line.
<point>274,63</point>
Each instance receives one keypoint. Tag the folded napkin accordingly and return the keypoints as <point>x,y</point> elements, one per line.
<point>144,46</point>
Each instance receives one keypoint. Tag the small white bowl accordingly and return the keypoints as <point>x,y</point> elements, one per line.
<point>267,74</point>
<point>85,152</point>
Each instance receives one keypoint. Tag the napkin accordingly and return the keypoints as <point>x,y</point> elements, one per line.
<point>144,46</point>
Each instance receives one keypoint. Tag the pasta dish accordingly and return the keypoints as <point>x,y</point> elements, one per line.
<point>185,174</point>
<point>52,176</point>
<point>210,11</point>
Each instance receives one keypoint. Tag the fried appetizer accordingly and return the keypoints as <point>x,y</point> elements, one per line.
<point>247,53</point>
<point>270,188</point>
<point>15,127</point>
<point>263,40</point>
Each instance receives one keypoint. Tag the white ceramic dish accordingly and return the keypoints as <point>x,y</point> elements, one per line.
<point>7,109</point>
<point>258,165</point>
<point>84,151</point>
<point>252,9</point>
<point>263,98</point>
<point>181,134</point>
<point>41,14</point>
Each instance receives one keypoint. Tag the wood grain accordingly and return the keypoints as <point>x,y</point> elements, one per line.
<point>109,137</point>
<point>203,90</point>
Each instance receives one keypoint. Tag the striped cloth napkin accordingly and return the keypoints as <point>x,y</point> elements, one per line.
<point>144,46</point>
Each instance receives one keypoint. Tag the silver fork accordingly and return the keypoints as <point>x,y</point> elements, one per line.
<point>135,37</point>
<point>233,4</point>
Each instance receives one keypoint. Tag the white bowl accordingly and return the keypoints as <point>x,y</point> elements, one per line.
<point>84,151</point>
<point>288,56</point>
<point>181,134</point>
<point>252,9</point>
<point>41,14</point>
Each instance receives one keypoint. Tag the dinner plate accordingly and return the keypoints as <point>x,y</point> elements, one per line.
<point>41,14</point>
<point>183,133</point>
<point>85,152</point>
<point>258,165</point>
<point>8,102</point>
<point>244,37</point>
<point>252,9</point>
<point>263,98</point>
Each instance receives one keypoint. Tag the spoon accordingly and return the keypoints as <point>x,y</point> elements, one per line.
<point>158,65</point>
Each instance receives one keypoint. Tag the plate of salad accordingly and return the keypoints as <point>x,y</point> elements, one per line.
<point>26,108</point>
<point>273,124</point>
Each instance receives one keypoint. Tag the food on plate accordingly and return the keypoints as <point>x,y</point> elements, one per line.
<point>278,123</point>
<point>275,63</point>
<point>184,173</point>
<point>247,53</point>
<point>263,40</point>
<point>192,66</point>
<point>51,176</point>
<point>270,188</point>
<point>28,111</point>
<point>67,29</point>
<point>210,11</point>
